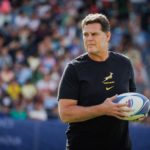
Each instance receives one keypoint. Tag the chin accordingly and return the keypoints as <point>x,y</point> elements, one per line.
<point>92,51</point>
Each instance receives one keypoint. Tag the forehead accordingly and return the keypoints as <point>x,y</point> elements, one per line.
<point>92,27</point>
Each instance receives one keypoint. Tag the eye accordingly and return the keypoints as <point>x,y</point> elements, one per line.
<point>85,34</point>
<point>95,34</point>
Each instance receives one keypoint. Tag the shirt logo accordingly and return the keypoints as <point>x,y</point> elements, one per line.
<point>108,82</point>
<point>109,88</point>
<point>110,76</point>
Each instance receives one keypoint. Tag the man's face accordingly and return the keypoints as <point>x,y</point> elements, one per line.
<point>95,40</point>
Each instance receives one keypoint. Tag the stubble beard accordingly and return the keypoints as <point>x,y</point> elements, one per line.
<point>94,52</point>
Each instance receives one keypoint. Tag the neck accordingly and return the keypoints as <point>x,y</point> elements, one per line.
<point>100,56</point>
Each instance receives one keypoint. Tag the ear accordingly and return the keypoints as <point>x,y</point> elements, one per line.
<point>108,35</point>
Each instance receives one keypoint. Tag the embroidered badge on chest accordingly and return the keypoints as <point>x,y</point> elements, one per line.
<point>109,82</point>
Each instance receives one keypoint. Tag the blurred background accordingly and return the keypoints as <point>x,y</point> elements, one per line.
<point>39,37</point>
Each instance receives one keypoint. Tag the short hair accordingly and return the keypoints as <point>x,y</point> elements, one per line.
<point>97,18</point>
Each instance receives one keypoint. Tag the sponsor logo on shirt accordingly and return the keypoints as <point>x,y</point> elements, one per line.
<point>109,88</point>
<point>108,82</point>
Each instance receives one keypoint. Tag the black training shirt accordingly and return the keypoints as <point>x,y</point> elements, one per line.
<point>90,83</point>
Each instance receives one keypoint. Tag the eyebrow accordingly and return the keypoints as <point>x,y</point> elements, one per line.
<point>84,32</point>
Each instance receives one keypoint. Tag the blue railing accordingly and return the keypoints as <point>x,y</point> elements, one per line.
<point>49,135</point>
<point>32,135</point>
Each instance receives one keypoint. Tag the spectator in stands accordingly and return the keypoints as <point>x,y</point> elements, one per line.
<point>18,112</point>
<point>5,58</point>
<point>7,74</point>
<point>38,112</point>
<point>21,20</point>
<point>14,90</point>
<point>28,90</point>
<point>5,105</point>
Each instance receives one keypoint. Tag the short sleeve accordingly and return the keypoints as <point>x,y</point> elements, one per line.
<point>132,85</point>
<point>69,84</point>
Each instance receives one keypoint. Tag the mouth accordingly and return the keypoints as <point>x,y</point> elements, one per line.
<point>90,45</point>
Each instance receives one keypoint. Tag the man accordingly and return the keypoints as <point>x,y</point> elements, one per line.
<point>88,88</point>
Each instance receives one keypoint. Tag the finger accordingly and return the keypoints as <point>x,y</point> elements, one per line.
<point>140,119</point>
<point>113,97</point>
<point>121,114</point>
<point>126,109</point>
<point>119,117</point>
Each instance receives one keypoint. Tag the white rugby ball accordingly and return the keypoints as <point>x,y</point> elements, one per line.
<point>139,104</point>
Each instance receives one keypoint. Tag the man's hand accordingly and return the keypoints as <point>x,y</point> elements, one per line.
<point>140,119</point>
<point>114,109</point>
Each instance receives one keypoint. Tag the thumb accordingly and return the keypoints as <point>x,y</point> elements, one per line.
<point>113,97</point>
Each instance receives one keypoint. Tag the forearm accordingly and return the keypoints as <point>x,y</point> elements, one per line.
<point>80,113</point>
<point>70,112</point>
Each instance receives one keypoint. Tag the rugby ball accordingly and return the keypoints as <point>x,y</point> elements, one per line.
<point>139,104</point>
